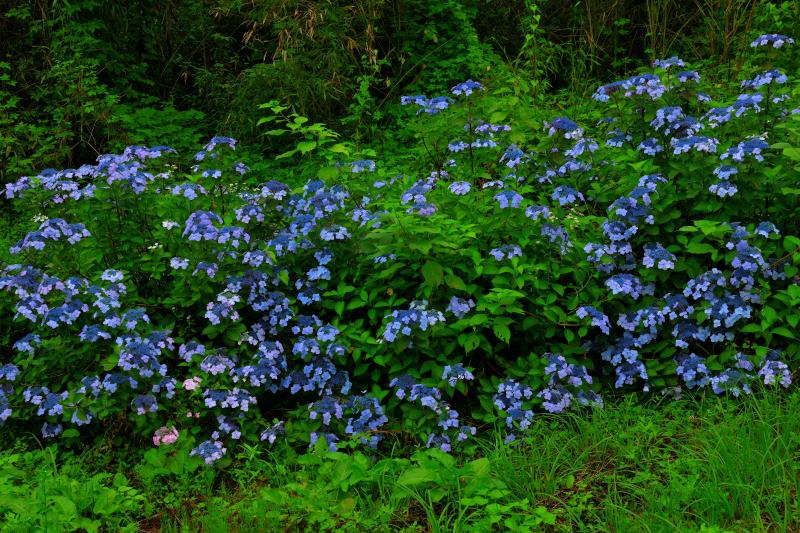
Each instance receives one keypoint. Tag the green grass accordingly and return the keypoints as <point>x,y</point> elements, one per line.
<point>705,464</point>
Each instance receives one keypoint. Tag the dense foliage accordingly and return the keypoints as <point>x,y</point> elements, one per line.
<point>641,247</point>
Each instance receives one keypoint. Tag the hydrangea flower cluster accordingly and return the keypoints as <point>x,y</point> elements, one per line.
<point>566,386</point>
<point>403,322</point>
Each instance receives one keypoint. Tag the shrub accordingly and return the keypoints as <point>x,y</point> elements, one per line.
<point>196,303</point>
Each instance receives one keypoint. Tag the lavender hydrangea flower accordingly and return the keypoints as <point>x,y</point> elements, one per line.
<point>459,188</point>
<point>460,307</point>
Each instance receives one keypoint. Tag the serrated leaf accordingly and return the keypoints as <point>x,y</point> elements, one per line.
<point>306,146</point>
<point>502,332</point>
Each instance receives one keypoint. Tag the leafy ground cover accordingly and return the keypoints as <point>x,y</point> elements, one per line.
<point>699,464</point>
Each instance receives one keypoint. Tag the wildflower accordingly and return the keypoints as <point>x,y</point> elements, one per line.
<point>765,78</point>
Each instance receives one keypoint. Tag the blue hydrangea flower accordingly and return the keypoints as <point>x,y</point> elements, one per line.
<point>751,147</point>
<point>655,255</point>
<point>650,147</point>
<point>765,229</point>
<point>569,128</point>
<point>692,370</point>
<point>510,399</point>
<point>507,251</point>
<point>430,106</point>
<point>746,102</point>
<point>466,88</point>
<point>582,145</point>
<point>772,39</point>
<point>724,172</point>
<point>694,142</point>
<point>455,373</point>
<point>626,284</point>
<point>765,78</point>
<point>687,76</point>
<point>209,451</point>
<point>361,165</point>
<point>566,195</point>
<point>417,315</point>
<point>508,198</point>
<point>514,156</point>
<point>535,212</point>
<point>599,319</point>
<point>723,188</point>
<point>669,63</point>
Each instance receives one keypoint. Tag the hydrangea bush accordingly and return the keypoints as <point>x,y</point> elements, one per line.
<point>641,249</point>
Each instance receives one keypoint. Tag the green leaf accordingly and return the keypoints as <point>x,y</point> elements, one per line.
<point>454,282</point>
<point>502,332</point>
<point>469,341</point>
<point>283,275</point>
<point>792,152</point>
<point>784,332</point>
<point>433,273</point>
<point>417,476</point>
<point>340,148</point>
<point>700,248</point>
<point>306,146</point>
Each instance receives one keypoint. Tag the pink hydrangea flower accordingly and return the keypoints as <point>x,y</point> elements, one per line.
<point>165,435</point>
<point>192,383</point>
